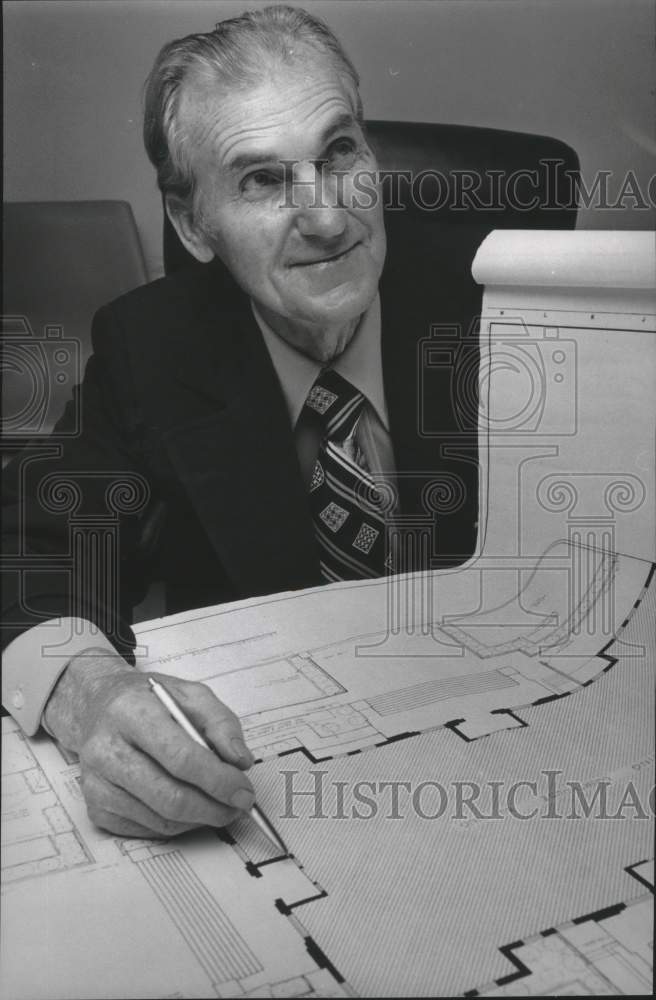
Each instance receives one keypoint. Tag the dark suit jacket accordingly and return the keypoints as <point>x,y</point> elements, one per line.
<point>180,401</point>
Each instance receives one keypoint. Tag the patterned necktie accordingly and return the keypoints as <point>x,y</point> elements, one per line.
<point>350,531</point>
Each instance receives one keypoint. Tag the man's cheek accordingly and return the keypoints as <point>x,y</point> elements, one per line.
<point>362,196</point>
<point>241,256</point>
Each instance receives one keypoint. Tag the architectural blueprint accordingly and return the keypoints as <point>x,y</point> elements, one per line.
<point>85,914</point>
<point>451,901</point>
<point>321,669</point>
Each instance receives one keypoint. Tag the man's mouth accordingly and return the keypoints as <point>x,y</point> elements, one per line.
<point>332,259</point>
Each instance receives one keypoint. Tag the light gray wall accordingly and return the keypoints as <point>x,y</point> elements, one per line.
<point>580,70</point>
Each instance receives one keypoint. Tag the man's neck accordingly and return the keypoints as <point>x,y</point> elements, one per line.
<point>320,343</point>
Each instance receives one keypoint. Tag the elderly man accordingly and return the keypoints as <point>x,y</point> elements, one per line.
<point>272,424</point>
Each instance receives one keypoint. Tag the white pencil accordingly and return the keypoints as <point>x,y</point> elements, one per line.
<point>176,713</point>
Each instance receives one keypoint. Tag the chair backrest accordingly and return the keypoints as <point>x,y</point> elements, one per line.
<point>62,261</point>
<point>448,186</point>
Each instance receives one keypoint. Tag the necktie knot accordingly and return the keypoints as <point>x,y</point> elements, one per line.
<point>337,403</point>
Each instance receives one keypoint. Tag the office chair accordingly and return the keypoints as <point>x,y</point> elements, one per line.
<point>62,261</point>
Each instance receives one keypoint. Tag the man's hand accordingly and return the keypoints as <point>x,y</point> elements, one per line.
<point>141,774</point>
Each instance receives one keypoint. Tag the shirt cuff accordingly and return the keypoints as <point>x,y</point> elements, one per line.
<point>33,662</point>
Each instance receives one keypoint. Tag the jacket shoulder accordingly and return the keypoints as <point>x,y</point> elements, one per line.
<point>173,297</point>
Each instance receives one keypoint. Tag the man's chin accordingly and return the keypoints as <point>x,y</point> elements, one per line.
<point>337,305</point>
<point>326,345</point>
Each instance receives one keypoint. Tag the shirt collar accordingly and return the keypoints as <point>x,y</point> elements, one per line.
<point>361,363</point>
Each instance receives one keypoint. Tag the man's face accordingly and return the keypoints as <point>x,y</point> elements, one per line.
<point>294,237</point>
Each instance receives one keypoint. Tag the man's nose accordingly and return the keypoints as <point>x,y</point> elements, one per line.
<point>316,195</point>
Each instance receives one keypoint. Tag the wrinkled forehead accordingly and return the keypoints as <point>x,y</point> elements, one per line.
<point>218,118</point>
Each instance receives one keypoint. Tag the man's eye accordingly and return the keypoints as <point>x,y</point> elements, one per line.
<point>342,154</point>
<point>259,182</point>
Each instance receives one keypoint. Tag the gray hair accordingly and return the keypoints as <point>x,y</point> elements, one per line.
<point>233,55</point>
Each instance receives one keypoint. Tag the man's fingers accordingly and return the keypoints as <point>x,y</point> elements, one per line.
<point>120,826</point>
<point>146,725</point>
<point>196,766</point>
<point>168,778</point>
<point>114,809</point>
<point>170,795</point>
<point>214,720</point>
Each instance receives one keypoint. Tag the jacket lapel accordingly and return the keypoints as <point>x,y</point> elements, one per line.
<point>238,461</point>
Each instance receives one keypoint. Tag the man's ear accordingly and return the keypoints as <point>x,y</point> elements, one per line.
<point>182,220</point>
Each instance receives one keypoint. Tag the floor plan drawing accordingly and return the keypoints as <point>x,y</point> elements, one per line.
<point>38,834</point>
<point>226,916</point>
<point>204,918</point>
<point>521,874</point>
<point>344,740</point>
<point>344,694</point>
<point>220,949</point>
<point>513,626</point>
<point>603,954</point>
